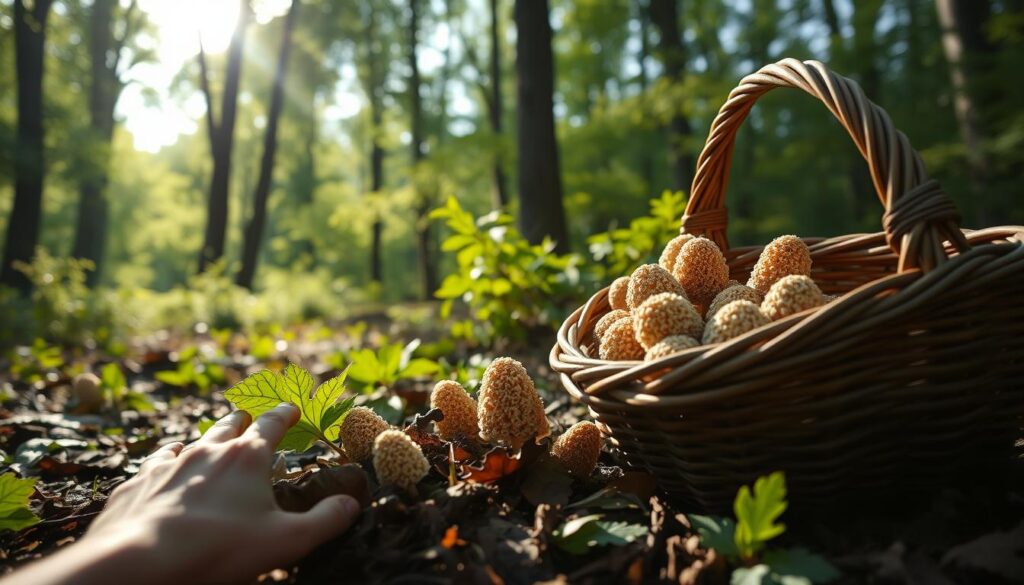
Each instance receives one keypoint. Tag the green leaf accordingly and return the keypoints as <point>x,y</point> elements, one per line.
<point>756,514</point>
<point>319,406</point>
<point>138,401</point>
<point>365,366</point>
<point>579,535</point>
<point>716,532</point>
<point>112,378</point>
<point>172,378</point>
<point>420,367</point>
<point>14,495</point>
<point>794,563</point>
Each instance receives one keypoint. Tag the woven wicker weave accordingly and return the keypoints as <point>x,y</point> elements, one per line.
<point>914,372</point>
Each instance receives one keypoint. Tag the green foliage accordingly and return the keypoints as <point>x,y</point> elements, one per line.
<point>115,391</point>
<point>14,495</point>
<point>742,541</point>
<point>30,364</point>
<point>321,406</point>
<point>756,513</point>
<point>193,370</point>
<point>619,251</point>
<point>64,309</point>
<point>508,285</point>
<point>579,535</point>
<point>391,363</point>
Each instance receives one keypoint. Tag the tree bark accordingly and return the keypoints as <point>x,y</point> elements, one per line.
<point>25,220</point>
<point>104,90</point>
<point>424,242</point>
<point>541,211</point>
<point>254,230</point>
<point>222,144</point>
<point>962,23</point>
<point>665,16</point>
<point>497,110</point>
<point>646,162</point>
<point>374,86</point>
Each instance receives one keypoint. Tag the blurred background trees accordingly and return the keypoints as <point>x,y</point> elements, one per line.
<point>314,140</point>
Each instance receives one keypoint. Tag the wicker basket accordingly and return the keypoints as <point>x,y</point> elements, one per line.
<point>916,371</point>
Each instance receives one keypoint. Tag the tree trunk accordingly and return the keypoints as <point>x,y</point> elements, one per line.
<point>962,25</point>
<point>374,88</point>
<point>541,211</point>
<point>646,162</point>
<point>497,110</point>
<point>424,242</point>
<point>665,15</point>
<point>23,225</point>
<point>254,230</point>
<point>104,91</point>
<point>222,144</point>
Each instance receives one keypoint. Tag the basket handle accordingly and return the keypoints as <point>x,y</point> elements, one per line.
<point>918,216</point>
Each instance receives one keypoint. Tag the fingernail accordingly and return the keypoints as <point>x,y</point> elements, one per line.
<point>287,405</point>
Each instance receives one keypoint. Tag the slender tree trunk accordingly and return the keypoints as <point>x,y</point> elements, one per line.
<point>497,110</point>
<point>962,24</point>
<point>222,145</point>
<point>307,185</point>
<point>541,210</point>
<point>104,90</point>
<point>665,15</point>
<point>25,220</point>
<point>254,230</point>
<point>646,162</point>
<point>374,88</point>
<point>424,242</point>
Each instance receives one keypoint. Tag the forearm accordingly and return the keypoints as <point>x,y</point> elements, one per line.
<point>95,561</point>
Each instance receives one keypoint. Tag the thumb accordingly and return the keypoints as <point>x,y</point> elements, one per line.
<point>328,518</point>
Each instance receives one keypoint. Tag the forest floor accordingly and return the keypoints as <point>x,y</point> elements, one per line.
<point>511,521</point>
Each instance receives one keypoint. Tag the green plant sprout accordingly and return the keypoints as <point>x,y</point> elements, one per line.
<point>116,393</point>
<point>391,363</point>
<point>192,370</point>
<point>743,540</point>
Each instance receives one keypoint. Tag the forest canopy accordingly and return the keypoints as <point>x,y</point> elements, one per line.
<point>299,147</point>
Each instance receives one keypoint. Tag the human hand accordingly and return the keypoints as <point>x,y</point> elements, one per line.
<point>202,514</point>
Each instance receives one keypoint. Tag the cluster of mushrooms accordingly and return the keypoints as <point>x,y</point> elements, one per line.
<point>510,413</point>
<point>687,299</point>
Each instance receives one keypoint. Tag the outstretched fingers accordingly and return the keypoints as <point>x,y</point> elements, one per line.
<point>228,427</point>
<point>164,453</point>
<point>270,427</point>
<point>302,532</point>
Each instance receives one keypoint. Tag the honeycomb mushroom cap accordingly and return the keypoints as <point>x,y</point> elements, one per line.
<point>617,293</point>
<point>578,449</point>
<point>619,342</point>
<point>663,315</point>
<point>459,410</point>
<point>606,321</point>
<point>783,256</point>
<point>733,320</point>
<point>358,431</point>
<point>670,345</point>
<point>398,460</point>
<point>648,280</point>
<point>671,251</point>
<point>510,411</point>
<point>735,292</point>
<point>701,270</point>
<point>790,295</point>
